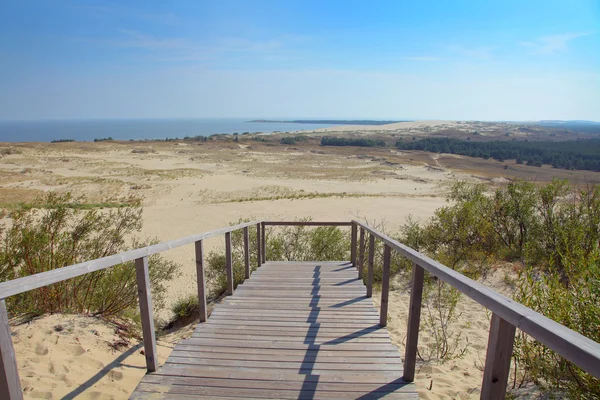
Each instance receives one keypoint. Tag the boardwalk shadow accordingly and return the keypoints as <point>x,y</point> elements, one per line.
<point>349,281</point>
<point>384,390</point>
<point>354,335</point>
<point>307,368</point>
<point>117,362</point>
<point>348,302</point>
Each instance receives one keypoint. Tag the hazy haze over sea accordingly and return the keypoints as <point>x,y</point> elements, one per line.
<point>137,129</point>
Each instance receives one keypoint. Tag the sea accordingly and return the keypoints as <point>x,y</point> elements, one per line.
<point>137,129</point>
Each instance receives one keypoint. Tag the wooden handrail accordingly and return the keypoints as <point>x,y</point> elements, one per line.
<point>10,385</point>
<point>507,314</point>
<point>27,283</point>
<point>306,223</point>
<point>571,345</point>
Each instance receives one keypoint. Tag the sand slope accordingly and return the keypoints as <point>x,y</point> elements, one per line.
<point>67,356</point>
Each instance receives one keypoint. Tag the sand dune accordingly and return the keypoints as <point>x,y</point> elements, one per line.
<point>192,189</point>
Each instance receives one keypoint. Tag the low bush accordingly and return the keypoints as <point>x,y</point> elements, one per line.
<point>50,234</point>
<point>552,229</point>
<point>297,243</point>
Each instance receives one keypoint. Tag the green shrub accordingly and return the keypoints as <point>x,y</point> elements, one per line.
<point>554,231</point>
<point>49,234</point>
<point>296,243</point>
<point>575,305</point>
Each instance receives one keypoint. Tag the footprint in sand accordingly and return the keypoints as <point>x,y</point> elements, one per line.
<point>115,375</point>
<point>41,350</point>
<point>97,396</point>
<point>74,350</point>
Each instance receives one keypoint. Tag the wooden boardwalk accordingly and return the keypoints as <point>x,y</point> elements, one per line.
<point>294,330</point>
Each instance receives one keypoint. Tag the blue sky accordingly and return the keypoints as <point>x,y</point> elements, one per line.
<point>478,60</point>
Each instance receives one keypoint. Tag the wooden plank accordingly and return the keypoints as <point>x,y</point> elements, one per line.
<point>297,366</point>
<point>385,286</point>
<point>203,371</point>
<point>274,344</point>
<point>308,353</point>
<point>414,322</point>
<point>146,313</point>
<point>247,252</point>
<point>306,223</point>
<point>229,263</point>
<point>361,253</point>
<point>497,360</point>
<point>353,245</point>
<point>571,345</point>
<point>314,358</point>
<point>201,280</point>
<point>27,283</point>
<point>10,384</point>
<point>370,265</point>
<point>260,383</point>
<point>326,324</point>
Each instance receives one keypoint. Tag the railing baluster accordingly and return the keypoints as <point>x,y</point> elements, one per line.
<point>247,252</point>
<point>146,312</point>
<point>10,384</point>
<point>353,245</point>
<point>228,263</point>
<point>258,247</point>
<point>361,253</point>
<point>414,321</point>
<point>201,280</point>
<point>370,266</point>
<point>497,359</point>
<point>263,242</point>
<point>385,285</point>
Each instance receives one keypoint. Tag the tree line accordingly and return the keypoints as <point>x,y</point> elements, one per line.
<point>573,154</point>
<point>339,141</point>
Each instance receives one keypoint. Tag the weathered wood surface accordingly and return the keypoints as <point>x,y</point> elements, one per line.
<point>294,330</point>
<point>10,384</point>
<point>306,223</point>
<point>146,312</point>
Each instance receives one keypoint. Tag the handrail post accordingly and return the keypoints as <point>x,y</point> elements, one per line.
<point>228,263</point>
<point>201,280</point>
<point>258,246</point>
<point>361,252</point>
<point>385,286</point>
<point>10,384</point>
<point>497,359</point>
<point>263,242</point>
<point>370,266</point>
<point>146,312</point>
<point>353,245</point>
<point>414,321</point>
<point>247,252</point>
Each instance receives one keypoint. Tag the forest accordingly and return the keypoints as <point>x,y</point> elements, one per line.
<point>581,154</point>
<point>339,141</point>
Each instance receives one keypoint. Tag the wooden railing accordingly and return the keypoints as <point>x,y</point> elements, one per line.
<point>10,385</point>
<point>507,314</point>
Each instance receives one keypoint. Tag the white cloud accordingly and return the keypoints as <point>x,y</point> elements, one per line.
<point>553,43</point>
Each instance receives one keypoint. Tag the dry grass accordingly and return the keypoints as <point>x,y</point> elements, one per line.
<point>11,197</point>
